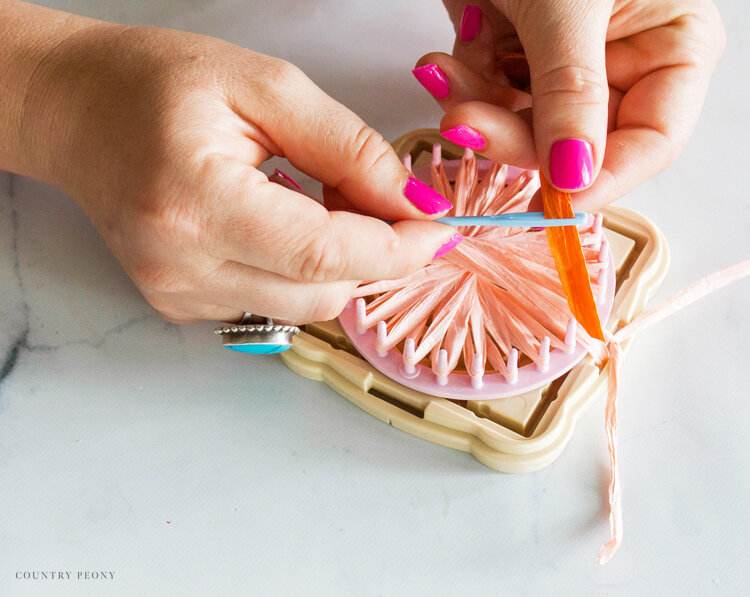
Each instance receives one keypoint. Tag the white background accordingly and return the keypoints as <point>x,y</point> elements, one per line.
<point>113,422</point>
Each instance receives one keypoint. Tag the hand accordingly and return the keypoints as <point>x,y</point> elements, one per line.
<point>158,134</point>
<point>616,87</point>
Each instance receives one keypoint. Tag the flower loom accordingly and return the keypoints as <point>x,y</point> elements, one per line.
<point>478,351</point>
<point>490,316</point>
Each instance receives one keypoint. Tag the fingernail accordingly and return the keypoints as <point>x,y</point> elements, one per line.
<point>425,198</point>
<point>286,177</point>
<point>452,243</point>
<point>471,21</point>
<point>465,136</point>
<point>433,79</point>
<point>571,164</point>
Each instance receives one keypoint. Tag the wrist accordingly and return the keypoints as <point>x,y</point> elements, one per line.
<point>38,112</point>
<point>56,104</point>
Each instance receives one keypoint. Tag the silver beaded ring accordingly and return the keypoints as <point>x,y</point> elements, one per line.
<point>257,335</point>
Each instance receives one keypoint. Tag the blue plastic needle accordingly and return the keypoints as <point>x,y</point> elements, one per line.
<point>531,219</point>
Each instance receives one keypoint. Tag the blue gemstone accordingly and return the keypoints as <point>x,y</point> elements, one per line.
<point>259,348</point>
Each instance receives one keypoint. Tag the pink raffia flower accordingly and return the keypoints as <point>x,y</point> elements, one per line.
<point>491,314</point>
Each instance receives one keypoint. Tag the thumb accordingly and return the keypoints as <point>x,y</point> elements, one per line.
<point>324,139</point>
<point>565,48</point>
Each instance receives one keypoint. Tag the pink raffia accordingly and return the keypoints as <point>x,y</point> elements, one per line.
<point>667,307</point>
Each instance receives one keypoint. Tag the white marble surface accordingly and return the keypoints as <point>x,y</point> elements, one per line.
<point>131,445</point>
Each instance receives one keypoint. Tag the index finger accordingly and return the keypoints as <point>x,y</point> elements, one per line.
<point>324,139</point>
<point>270,227</point>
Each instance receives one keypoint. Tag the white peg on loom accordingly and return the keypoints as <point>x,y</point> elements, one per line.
<point>512,366</point>
<point>442,366</point>
<point>407,161</point>
<point>604,252</point>
<point>382,333</point>
<point>408,367</point>
<point>570,335</point>
<point>360,315</point>
<point>437,154</point>
<point>544,354</point>
<point>601,280</point>
<point>597,230</point>
<point>468,154</point>
<point>477,371</point>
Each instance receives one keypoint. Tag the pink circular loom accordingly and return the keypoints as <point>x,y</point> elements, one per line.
<point>440,379</point>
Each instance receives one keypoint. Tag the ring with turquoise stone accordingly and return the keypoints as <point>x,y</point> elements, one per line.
<point>257,335</point>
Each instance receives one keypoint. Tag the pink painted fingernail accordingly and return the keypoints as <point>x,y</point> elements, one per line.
<point>286,177</point>
<point>433,79</point>
<point>571,164</point>
<point>425,198</point>
<point>471,21</point>
<point>452,243</point>
<point>465,136</point>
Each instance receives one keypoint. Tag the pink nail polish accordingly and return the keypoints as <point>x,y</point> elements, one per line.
<point>471,21</point>
<point>286,177</point>
<point>433,79</point>
<point>452,243</point>
<point>465,136</point>
<point>571,164</point>
<point>424,198</point>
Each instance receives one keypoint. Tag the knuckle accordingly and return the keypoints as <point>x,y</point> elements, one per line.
<point>578,84</point>
<point>322,260</point>
<point>171,221</point>
<point>369,148</point>
<point>283,75</point>
<point>325,308</point>
<point>694,44</point>
<point>158,277</point>
<point>703,37</point>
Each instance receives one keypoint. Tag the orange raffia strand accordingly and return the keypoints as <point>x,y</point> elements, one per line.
<point>565,245</point>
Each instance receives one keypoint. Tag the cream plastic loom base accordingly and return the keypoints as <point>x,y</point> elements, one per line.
<point>516,434</point>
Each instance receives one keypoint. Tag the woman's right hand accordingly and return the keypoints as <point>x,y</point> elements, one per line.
<point>159,133</point>
<point>615,87</point>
